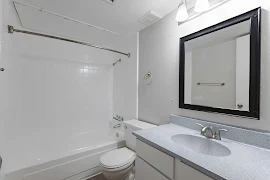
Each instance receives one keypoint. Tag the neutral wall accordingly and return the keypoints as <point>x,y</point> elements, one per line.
<point>125,99</point>
<point>3,106</point>
<point>214,64</point>
<point>159,53</point>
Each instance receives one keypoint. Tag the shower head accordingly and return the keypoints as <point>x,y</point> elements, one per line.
<point>119,60</point>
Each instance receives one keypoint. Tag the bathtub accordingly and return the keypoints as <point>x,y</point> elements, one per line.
<point>59,160</point>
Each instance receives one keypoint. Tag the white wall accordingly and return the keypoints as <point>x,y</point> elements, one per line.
<point>159,52</point>
<point>214,64</point>
<point>3,106</point>
<point>57,90</point>
<point>242,72</point>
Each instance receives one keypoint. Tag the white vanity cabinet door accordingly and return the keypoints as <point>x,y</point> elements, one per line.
<point>185,172</point>
<point>156,158</point>
<point>143,171</point>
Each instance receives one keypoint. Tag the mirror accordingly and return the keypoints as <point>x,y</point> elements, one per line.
<point>220,67</point>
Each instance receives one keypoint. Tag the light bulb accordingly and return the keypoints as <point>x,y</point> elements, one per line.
<point>201,6</point>
<point>182,13</point>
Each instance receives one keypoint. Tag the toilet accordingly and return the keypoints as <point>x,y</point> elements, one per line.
<point>119,164</point>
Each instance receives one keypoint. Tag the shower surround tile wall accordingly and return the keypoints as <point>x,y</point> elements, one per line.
<point>55,103</point>
<point>159,53</point>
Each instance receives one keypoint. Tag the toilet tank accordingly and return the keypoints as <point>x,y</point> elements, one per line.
<point>134,125</point>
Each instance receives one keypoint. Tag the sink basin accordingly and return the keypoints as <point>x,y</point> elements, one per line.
<point>201,145</point>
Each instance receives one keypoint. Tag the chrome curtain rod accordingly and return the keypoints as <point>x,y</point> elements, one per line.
<point>11,30</point>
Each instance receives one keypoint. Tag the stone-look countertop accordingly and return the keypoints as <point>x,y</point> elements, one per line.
<point>245,161</point>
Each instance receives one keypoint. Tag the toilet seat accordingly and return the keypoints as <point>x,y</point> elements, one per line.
<point>117,159</point>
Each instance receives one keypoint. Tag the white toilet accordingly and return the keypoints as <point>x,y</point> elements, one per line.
<point>119,164</point>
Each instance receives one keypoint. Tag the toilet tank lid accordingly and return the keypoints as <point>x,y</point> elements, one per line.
<point>139,124</point>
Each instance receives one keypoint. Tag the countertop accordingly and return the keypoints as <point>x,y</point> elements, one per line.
<point>245,162</point>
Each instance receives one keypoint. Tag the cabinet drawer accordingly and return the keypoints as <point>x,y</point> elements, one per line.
<point>185,172</point>
<point>161,161</point>
<point>146,172</point>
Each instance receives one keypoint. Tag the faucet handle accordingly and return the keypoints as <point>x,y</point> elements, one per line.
<point>117,126</point>
<point>217,133</point>
<point>118,118</point>
<point>200,125</point>
<point>206,131</point>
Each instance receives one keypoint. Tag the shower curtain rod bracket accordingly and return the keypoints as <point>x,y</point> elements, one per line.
<point>11,30</point>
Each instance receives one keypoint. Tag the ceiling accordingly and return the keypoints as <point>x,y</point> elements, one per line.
<point>121,17</point>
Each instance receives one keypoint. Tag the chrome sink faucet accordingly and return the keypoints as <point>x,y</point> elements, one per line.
<point>208,132</point>
<point>216,134</point>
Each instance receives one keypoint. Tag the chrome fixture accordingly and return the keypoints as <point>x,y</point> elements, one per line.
<point>148,75</point>
<point>11,30</point>
<point>118,118</point>
<point>208,132</point>
<point>119,60</point>
<point>217,134</point>
<point>117,126</point>
<point>210,84</point>
<point>148,78</point>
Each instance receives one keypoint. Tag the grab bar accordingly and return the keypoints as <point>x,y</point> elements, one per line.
<point>210,84</point>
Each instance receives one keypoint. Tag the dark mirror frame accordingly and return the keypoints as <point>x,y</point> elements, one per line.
<point>255,58</point>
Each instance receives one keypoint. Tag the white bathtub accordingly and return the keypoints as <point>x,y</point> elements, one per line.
<point>72,160</point>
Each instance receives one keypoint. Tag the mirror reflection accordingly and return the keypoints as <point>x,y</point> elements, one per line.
<point>217,68</point>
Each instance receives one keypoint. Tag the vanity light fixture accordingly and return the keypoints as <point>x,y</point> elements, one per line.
<point>182,13</point>
<point>201,6</point>
<point>190,9</point>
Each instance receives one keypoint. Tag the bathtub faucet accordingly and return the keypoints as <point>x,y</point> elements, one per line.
<point>117,126</point>
<point>118,118</point>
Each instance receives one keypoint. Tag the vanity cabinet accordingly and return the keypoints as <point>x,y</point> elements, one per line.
<point>185,172</point>
<point>153,164</point>
<point>145,171</point>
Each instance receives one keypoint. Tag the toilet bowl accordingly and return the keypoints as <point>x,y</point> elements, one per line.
<point>119,164</point>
